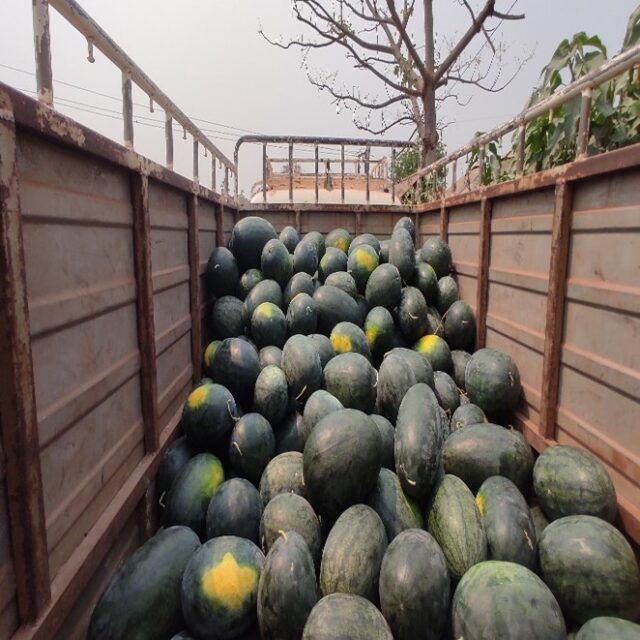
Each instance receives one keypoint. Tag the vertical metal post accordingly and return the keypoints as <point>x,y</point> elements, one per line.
<point>194,287</point>
<point>483,272</point>
<point>42,44</point>
<point>291,172</point>
<point>213,173</point>
<point>168,137</point>
<point>520,151</point>
<point>342,173</point>
<point>316,174</point>
<point>196,173</point>
<point>367,167</point>
<point>393,176</point>
<point>454,176</point>
<point>226,182</point>
<point>264,172</point>
<point>585,123</point>
<point>481,154</point>
<point>127,110</point>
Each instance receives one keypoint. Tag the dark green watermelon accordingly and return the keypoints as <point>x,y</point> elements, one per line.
<point>492,381</point>
<point>342,280</point>
<point>460,326</point>
<point>459,359</point>
<point>302,315</point>
<point>540,521</point>
<point>453,520</point>
<point>418,441</point>
<point>446,392</point>
<point>290,238</point>
<point>425,279</point>
<point>447,294</point>
<point>187,501</point>
<point>362,262</point>
<point>222,275</point>
<point>339,239</point>
<point>146,589</point>
<point>209,352</point>
<point>479,451</point>
<point>363,307</point>
<point>332,261</point>
<point>290,512</point>
<point>292,433</point>
<point>388,434</point>
<point>417,363</point>
<point>407,224</point>
<point>301,366</point>
<point>305,258</point>
<point>353,553</point>
<point>436,350</point>
<point>402,254</point>
<point>235,510</point>
<point>412,313</point>
<point>226,318</point>
<point>320,404</point>
<point>283,475</point>
<point>352,380</point>
<point>270,356</point>
<point>384,251</point>
<point>334,305</point>
<point>396,510</point>
<point>208,416</point>
<point>378,328</point>
<point>591,569</point>
<point>220,587</point>
<point>365,239</point>
<point>505,600</point>
<point>608,627</point>
<point>465,415</point>
<point>248,238</point>
<point>435,325</point>
<point>570,481</point>
<point>276,262</point>
<point>342,459</point>
<point>251,447</point>
<point>384,287</point>
<point>249,279</point>
<point>347,337</point>
<point>268,325</point>
<point>437,253</point>
<point>323,347</point>
<point>505,515</point>
<point>342,616</point>
<point>264,291</point>
<point>317,239</point>
<point>271,394</point>
<point>178,453</point>
<point>236,366</point>
<point>415,586</point>
<point>299,283</point>
<point>287,590</point>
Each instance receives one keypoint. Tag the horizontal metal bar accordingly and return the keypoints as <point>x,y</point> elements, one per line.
<point>84,23</point>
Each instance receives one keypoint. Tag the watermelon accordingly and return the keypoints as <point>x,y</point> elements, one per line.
<point>418,442</point>
<point>365,239</point>
<point>435,325</point>
<point>459,360</point>
<point>453,520</point>
<point>276,262</point>
<point>505,600</point>
<point>235,510</point>
<point>220,587</point>
<point>290,238</point>
<point>334,305</point>
<point>222,275</point>
<point>271,394</point>
<point>341,461</point>
<point>183,635</point>
<point>479,451</point>
<point>412,313</point>
<point>251,447</point>
<point>248,238</point>
<point>292,433</point>
<point>384,251</point>
<point>396,510</point>
<point>178,453</point>
<point>492,381</point>
<point>339,239</point>
<point>283,474</point>
<point>287,588</point>
<point>146,588</point>
<point>505,515</point>
<point>437,253</point>
<point>378,329</point>
<point>425,279</point>
<point>460,326</point>
<point>305,258</point>
<point>570,481</point>
<point>363,307</point>
<point>270,356</point>
<point>320,404</point>
<point>388,434</point>
<point>591,569</point>
<point>446,392</point>
<point>402,254</point>
<point>347,337</point>
<point>268,325</point>
<point>341,615</point>
<point>333,260</point>
<point>436,351</point>
<point>447,294</point>
<point>301,366</point>
<point>362,262</point>
<point>209,352</point>
<point>317,239</point>
<point>342,280</point>
<point>465,415</point>
<point>608,627</point>
<point>249,279</point>
<point>299,283</point>
<point>384,287</point>
<point>406,223</point>
<point>323,347</point>
<point>290,512</point>
<point>540,521</point>
<point>264,291</point>
<point>353,553</point>
<point>352,380</point>
<point>415,586</point>
<point>236,366</point>
<point>226,318</point>
<point>302,315</point>
<point>187,501</point>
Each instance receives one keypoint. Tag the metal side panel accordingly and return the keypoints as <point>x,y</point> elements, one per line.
<point>207,229</point>
<point>464,240</point>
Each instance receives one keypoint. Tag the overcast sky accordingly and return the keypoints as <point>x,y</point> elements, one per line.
<point>209,59</point>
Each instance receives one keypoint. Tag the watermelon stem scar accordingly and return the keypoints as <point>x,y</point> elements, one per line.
<point>302,392</point>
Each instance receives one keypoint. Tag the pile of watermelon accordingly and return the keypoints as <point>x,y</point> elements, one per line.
<point>347,470</point>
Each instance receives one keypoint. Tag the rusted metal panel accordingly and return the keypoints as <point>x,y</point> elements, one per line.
<point>464,239</point>
<point>20,443</point>
<point>9,620</point>
<point>484,257</point>
<point>42,47</point>
<point>207,241</point>
<point>194,286</point>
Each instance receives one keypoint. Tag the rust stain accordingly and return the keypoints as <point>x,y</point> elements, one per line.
<point>61,126</point>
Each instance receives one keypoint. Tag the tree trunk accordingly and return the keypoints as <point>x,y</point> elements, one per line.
<point>428,131</point>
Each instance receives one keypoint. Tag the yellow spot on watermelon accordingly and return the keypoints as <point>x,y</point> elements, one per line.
<point>427,343</point>
<point>229,583</point>
<point>265,309</point>
<point>214,479</point>
<point>209,352</point>
<point>480,504</point>
<point>365,259</point>
<point>371,333</point>
<point>342,244</point>
<point>197,397</point>
<point>340,343</point>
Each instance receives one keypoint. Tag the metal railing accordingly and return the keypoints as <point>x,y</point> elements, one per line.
<point>316,143</point>
<point>582,87</point>
<point>131,73</point>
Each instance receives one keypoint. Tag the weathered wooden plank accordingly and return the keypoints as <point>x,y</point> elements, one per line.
<point>483,275</point>
<point>194,287</point>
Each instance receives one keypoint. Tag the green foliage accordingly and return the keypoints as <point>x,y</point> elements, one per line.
<point>407,163</point>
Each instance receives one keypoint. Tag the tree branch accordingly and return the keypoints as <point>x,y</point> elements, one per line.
<point>345,97</point>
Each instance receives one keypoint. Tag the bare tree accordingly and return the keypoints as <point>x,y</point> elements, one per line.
<point>415,75</point>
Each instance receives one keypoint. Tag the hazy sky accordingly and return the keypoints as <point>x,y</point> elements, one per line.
<point>209,58</point>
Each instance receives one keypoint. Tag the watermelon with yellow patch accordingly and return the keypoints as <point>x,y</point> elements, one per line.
<point>347,337</point>
<point>378,329</point>
<point>220,588</point>
<point>338,238</point>
<point>362,262</point>
<point>209,352</point>
<point>436,351</point>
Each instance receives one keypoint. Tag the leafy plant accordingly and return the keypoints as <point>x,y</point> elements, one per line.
<point>429,187</point>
